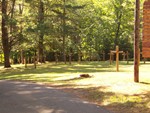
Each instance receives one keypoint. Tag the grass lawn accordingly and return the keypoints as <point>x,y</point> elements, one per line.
<point>113,90</point>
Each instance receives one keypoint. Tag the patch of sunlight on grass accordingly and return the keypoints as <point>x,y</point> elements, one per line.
<point>124,99</point>
<point>128,88</point>
<point>104,78</point>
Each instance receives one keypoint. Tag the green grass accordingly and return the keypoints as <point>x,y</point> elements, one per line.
<point>113,90</point>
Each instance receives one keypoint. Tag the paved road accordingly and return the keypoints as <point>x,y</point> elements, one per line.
<point>23,97</point>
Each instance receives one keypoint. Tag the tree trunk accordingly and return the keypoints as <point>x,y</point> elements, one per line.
<point>118,29</point>
<point>35,59</point>
<point>64,31</point>
<point>136,41</point>
<point>5,39</point>
<point>56,58</point>
<point>41,36</point>
<point>79,57</point>
<point>70,55</point>
<point>12,15</point>
<point>22,56</point>
<point>41,52</point>
<point>117,34</point>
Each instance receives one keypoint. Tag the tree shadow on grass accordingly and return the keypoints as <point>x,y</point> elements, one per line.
<point>147,83</point>
<point>73,79</point>
<point>93,94</point>
<point>76,78</point>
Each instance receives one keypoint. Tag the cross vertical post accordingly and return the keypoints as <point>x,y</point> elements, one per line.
<point>117,58</point>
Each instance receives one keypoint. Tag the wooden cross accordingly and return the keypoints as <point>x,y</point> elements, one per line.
<point>127,56</point>
<point>111,57</point>
<point>117,57</point>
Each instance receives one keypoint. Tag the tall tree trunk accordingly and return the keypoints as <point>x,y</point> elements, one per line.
<point>20,13</point>
<point>136,41</point>
<point>5,39</point>
<point>117,34</point>
<point>22,56</point>
<point>41,36</point>
<point>12,27</point>
<point>118,29</point>
<point>12,15</point>
<point>64,31</point>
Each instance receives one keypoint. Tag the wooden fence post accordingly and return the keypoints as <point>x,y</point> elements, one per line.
<point>117,58</point>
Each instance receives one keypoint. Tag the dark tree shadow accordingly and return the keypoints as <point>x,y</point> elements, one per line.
<point>147,83</point>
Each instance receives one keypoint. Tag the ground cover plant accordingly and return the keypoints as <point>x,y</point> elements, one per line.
<point>113,90</point>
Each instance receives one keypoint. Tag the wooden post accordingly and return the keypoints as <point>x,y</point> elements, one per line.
<point>117,58</point>
<point>110,58</point>
<point>136,40</point>
<point>127,53</point>
<point>124,55</point>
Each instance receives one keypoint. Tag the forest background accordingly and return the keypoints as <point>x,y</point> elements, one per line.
<point>56,29</point>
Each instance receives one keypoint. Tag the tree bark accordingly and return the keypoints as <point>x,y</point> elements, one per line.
<point>136,41</point>
<point>5,39</point>
<point>118,28</point>
<point>64,31</point>
<point>41,35</point>
<point>35,59</point>
<point>22,56</point>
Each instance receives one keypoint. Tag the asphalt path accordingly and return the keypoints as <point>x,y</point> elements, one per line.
<point>24,97</point>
